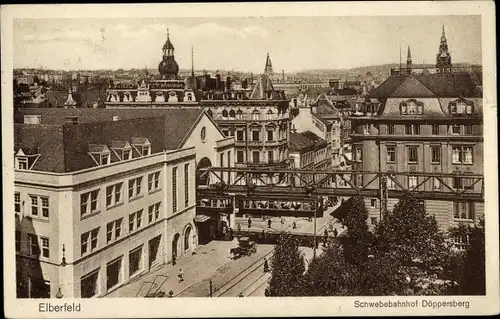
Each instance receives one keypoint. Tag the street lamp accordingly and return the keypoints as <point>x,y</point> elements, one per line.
<point>309,190</point>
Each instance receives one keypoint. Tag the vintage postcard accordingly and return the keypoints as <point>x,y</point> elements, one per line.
<point>249,159</point>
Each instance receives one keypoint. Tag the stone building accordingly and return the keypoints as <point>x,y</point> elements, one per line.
<point>421,121</point>
<point>104,196</point>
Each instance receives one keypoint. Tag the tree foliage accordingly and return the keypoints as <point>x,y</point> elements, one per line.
<point>358,240</point>
<point>470,272</point>
<point>287,268</point>
<point>410,235</point>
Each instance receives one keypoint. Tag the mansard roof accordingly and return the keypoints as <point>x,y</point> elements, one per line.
<point>427,85</point>
<point>64,147</point>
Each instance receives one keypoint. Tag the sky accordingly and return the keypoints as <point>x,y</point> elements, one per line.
<point>241,44</point>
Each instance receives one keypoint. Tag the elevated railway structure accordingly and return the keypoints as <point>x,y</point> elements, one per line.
<point>302,186</point>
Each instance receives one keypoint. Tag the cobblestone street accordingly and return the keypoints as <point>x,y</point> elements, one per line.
<point>213,261</point>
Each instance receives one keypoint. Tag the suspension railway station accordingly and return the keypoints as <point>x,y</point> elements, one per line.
<point>244,192</point>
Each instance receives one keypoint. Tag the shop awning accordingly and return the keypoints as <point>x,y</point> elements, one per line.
<point>201,218</point>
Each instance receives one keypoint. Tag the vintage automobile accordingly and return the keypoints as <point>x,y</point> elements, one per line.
<point>246,247</point>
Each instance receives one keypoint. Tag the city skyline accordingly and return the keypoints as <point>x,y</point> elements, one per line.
<point>94,44</point>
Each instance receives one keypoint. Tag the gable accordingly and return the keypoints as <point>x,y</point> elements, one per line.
<point>411,87</point>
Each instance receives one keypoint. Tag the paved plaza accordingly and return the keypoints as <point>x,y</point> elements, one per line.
<point>213,261</point>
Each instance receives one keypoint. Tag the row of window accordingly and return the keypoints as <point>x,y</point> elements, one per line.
<point>255,135</point>
<point>459,154</point>
<point>414,129</point>
<point>89,240</point>
<point>240,115</point>
<point>39,246</point>
<point>462,211</point>
<point>38,205</point>
<point>461,183</point>
<point>240,158</point>
<point>89,202</point>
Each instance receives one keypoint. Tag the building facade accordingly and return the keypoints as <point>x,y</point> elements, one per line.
<point>309,151</point>
<point>103,196</point>
<point>417,121</point>
<point>257,117</point>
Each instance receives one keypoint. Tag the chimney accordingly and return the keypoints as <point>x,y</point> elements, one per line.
<point>244,84</point>
<point>313,109</point>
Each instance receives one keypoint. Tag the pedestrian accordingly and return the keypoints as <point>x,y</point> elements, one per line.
<point>269,223</point>
<point>240,295</point>
<point>266,265</point>
<point>282,220</point>
<point>262,235</point>
<point>238,226</point>
<point>294,225</point>
<point>335,232</point>
<point>231,236</point>
<point>180,275</point>
<point>249,222</point>
<point>325,232</point>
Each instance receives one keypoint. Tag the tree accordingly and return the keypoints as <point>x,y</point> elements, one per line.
<point>358,238</point>
<point>472,273</point>
<point>330,275</point>
<point>410,235</point>
<point>287,268</point>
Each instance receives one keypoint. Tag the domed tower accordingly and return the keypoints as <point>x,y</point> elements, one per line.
<point>168,67</point>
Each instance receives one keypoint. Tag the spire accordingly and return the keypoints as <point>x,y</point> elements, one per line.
<point>408,61</point>
<point>443,57</point>
<point>268,70</point>
<point>192,61</point>
<point>168,47</point>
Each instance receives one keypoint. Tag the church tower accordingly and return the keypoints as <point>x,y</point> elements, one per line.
<point>268,70</point>
<point>408,61</point>
<point>168,67</point>
<point>443,58</point>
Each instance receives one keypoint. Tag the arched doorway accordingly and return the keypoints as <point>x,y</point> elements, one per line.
<point>187,238</point>
<point>203,163</point>
<point>175,243</point>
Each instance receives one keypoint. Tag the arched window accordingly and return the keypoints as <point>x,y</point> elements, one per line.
<point>187,236</point>
<point>232,114</point>
<point>239,115</point>
<point>255,115</point>
<point>224,113</point>
<point>269,115</point>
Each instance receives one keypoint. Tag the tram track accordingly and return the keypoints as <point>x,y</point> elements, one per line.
<point>229,288</point>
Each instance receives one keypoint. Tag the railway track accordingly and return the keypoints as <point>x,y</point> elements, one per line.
<point>251,279</point>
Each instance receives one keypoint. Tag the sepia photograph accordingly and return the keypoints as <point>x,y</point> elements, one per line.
<point>160,158</point>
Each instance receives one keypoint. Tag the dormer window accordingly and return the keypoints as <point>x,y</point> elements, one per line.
<point>100,154</point>
<point>412,107</point>
<point>461,106</point>
<point>122,150</point>
<point>22,163</point>
<point>26,159</point>
<point>141,145</point>
<point>224,114</point>
<point>232,114</point>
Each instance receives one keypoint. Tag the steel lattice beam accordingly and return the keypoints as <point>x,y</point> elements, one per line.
<point>299,180</point>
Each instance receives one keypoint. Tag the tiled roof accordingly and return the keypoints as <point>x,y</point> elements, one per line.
<point>120,144</point>
<point>263,85</point>
<point>318,141</point>
<point>440,85</point>
<point>411,87</point>
<point>305,140</point>
<point>65,147</point>
<point>299,142</point>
